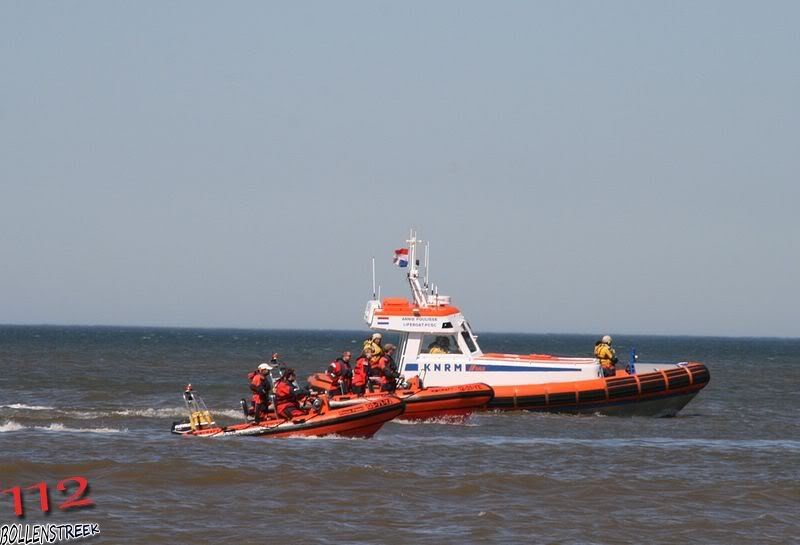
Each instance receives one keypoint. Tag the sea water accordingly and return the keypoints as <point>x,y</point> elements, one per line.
<point>97,403</point>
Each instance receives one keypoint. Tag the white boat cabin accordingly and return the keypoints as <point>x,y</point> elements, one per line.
<point>438,345</point>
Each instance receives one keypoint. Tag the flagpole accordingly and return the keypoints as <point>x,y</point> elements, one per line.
<point>420,298</point>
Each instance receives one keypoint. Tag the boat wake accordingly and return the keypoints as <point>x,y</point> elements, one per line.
<point>442,420</point>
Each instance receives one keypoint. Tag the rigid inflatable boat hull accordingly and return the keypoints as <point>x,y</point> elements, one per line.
<point>362,420</point>
<point>657,393</point>
<point>435,403</point>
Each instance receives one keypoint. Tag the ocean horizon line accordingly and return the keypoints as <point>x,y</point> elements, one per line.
<point>365,329</point>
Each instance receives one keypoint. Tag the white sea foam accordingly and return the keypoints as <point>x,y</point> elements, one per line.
<point>84,415</point>
<point>328,437</point>
<point>167,412</point>
<point>442,420</point>
<point>22,406</point>
<point>232,413</point>
<point>56,426</point>
<point>11,426</point>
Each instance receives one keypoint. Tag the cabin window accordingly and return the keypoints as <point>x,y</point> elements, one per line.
<point>468,339</point>
<point>439,344</point>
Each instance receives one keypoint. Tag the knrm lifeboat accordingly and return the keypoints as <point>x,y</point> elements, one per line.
<point>438,345</point>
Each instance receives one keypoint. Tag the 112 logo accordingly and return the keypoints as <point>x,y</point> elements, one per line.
<point>78,498</point>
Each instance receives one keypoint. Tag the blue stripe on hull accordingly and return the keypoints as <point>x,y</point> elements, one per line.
<point>486,368</point>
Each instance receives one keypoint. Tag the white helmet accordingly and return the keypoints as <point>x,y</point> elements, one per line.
<point>264,367</point>
<point>376,336</point>
<point>606,339</point>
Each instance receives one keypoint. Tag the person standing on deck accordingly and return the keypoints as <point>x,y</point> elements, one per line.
<point>341,374</point>
<point>361,372</point>
<point>388,367</point>
<point>374,344</point>
<point>261,386</point>
<point>606,356</point>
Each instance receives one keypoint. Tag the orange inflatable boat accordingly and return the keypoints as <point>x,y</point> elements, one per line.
<point>440,402</point>
<point>362,420</point>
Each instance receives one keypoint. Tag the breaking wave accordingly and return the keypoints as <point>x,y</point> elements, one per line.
<point>166,412</point>
<point>10,426</point>
<point>22,406</point>
<point>62,428</point>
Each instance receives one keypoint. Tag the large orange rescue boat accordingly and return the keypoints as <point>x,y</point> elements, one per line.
<point>439,346</point>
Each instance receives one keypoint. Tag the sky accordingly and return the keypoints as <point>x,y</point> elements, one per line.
<point>577,167</point>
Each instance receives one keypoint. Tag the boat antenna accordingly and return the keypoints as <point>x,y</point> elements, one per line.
<point>427,263</point>
<point>413,272</point>
<point>373,278</point>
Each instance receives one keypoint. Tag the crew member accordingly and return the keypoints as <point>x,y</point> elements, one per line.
<point>606,356</point>
<point>261,386</point>
<point>388,367</point>
<point>375,375</point>
<point>440,346</point>
<point>287,395</point>
<point>341,374</point>
<point>361,372</point>
<point>374,344</point>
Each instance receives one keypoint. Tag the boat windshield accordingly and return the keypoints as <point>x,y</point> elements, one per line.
<point>440,344</point>
<point>467,336</point>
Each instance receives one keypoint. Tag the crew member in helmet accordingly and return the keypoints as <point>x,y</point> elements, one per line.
<point>606,355</point>
<point>261,386</point>
<point>287,395</point>
<point>341,374</point>
<point>361,372</point>
<point>374,344</point>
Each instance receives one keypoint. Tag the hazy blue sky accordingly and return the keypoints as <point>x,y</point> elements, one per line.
<point>620,167</point>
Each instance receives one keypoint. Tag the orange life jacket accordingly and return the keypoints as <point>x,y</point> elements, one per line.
<point>360,372</point>
<point>338,371</point>
<point>259,384</point>
<point>388,370</point>
<point>285,396</point>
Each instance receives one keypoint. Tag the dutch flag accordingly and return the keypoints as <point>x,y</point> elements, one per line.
<point>401,257</point>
